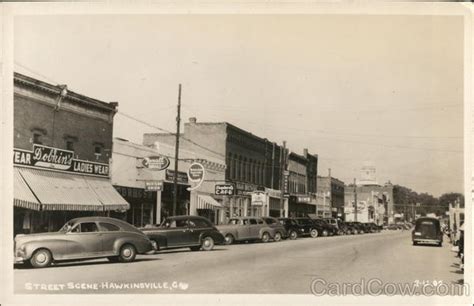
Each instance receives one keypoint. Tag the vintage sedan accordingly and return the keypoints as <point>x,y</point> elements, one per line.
<point>83,238</point>
<point>247,229</point>
<point>192,232</point>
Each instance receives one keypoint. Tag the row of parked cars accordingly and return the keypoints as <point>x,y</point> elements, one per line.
<point>119,241</point>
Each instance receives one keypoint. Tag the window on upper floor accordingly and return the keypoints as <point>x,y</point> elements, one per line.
<point>37,138</point>
<point>98,150</point>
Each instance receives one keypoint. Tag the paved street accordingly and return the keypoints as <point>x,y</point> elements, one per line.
<point>284,267</point>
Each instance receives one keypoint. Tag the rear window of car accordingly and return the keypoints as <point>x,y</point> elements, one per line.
<point>198,223</point>
<point>270,221</point>
<point>253,221</point>
<point>108,227</point>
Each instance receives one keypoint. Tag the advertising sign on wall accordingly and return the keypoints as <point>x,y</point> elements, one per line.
<point>224,189</point>
<point>196,172</point>
<point>158,162</point>
<point>57,159</point>
<point>259,199</point>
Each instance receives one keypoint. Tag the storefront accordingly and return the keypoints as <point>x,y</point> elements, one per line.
<point>301,206</point>
<point>52,187</point>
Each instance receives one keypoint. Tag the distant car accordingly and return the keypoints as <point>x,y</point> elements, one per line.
<point>374,228</point>
<point>309,228</point>
<point>351,229</point>
<point>341,230</point>
<point>248,229</point>
<point>357,227</point>
<point>83,238</point>
<point>279,230</point>
<point>192,232</point>
<point>292,228</point>
<point>327,229</point>
<point>393,227</point>
<point>427,230</point>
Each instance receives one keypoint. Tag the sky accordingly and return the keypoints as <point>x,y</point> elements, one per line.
<point>354,89</point>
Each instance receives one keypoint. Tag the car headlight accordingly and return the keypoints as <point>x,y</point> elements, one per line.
<point>417,234</point>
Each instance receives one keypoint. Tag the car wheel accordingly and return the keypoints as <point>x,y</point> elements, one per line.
<point>314,233</point>
<point>325,233</point>
<point>41,258</point>
<point>195,248</point>
<point>277,237</point>
<point>340,233</point>
<point>127,253</point>
<point>265,237</point>
<point>293,235</point>
<point>207,243</point>
<point>229,239</point>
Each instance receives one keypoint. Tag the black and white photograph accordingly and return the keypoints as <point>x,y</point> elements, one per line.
<point>168,152</point>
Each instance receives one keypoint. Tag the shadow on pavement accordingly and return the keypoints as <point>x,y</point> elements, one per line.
<point>174,251</point>
<point>83,263</point>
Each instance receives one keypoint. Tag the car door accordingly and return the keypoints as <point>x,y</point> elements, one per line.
<point>254,228</point>
<point>110,233</point>
<point>84,240</point>
<point>244,229</point>
<point>196,227</point>
<point>178,233</point>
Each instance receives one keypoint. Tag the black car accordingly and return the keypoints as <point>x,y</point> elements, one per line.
<point>357,227</point>
<point>427,230</point>
<point>309,227</point>
<point>292,228</point>
<point>374,228</point>
<point>184,231</point>
<point>350,228</point>
<point>327,229</point>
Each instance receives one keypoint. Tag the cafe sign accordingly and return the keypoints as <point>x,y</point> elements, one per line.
<point>224,189</point>
<point>158,162</point>
<point>58,159</point>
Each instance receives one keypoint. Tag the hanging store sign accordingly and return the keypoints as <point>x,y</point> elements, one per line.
<point>196,172</point>
<point>224,189</point>
<point>153,185</point>
<point>182,177</point>
<point>303,199</point>
<point>158,162</point>
<point>57,159</point>
<point>259,199</point>
<point>286,191</point>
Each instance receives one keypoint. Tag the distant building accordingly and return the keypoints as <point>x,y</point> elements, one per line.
<point>334,188</point>
<point>374,201</point>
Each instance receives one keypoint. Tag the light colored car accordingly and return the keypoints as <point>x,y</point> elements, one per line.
<point>248,229</point>
<point>83,238</point>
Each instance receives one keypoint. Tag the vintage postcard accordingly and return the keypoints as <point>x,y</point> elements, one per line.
<point>206,152</point>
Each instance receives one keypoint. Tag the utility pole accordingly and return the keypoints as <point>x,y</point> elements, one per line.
<point>355,201</point>
<point>282,172</point>
<point>176,154</point>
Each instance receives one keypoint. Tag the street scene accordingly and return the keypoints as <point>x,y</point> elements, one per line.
<point>320,155</point>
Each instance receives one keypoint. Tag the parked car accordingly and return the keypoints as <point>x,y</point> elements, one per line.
<point>427,230</point>
<point>341,230</point>
<point>327,229</point>
<point>357,227</point>
<point>192,232</point>
<point>291,226</point>
<point>248,229</point>
<point>309,227</point>
<point>278,228</point>
<point>351,229</point>
<point>374,228</point>
<point>83,238</point>
<point>393,227</point>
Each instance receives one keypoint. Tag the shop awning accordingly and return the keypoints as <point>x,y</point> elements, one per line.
<point>23,197</point>
<point>108,196</point>
<point>207,202</point>
<point>64,191</point>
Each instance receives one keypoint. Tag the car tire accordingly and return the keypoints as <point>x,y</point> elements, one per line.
<point>265,237</point>
<point>293,235</point>
<point>229,239</point>
<point>41,258</point>
<point>325,233</point>
<point>314,233</point>
<point>277,237</point>
<point>207,243</point>
<point>127,253</point>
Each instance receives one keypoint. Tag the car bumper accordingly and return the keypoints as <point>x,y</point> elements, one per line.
<point>427,241</point>
<point>19,260</point>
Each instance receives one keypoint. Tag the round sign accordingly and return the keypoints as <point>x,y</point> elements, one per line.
<point>156,162</point>
<point>196,172</point>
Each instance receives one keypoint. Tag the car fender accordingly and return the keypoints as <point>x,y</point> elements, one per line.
<point>136,242</point>
<point>269,230</point>
<point>216,235</point>
<point>233,231</point>
<point>160,239</point>
<point>53,245</point>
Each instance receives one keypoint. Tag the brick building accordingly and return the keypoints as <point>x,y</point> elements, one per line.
<point>252,164</point>
<point>334,188</point>
<point>62,145</point>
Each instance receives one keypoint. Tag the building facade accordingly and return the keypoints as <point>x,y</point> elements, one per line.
<point>62,146</point>
<point>150,190</point>
<point>334,188</point>
<point>253,165</point>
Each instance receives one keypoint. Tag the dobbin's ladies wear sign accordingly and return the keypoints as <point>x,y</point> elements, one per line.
<point>58,159</point>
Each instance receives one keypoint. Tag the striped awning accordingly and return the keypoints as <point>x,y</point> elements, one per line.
<point>63,191</point>
<point>107,194</point>
<point>23,196</point>
<point>207,202</point>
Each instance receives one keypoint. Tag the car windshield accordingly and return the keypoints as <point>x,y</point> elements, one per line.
<point>66,228</point>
